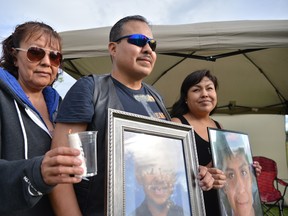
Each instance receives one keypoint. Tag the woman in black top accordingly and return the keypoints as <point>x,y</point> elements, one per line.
<point>198,99</point>
<point>204,159</point>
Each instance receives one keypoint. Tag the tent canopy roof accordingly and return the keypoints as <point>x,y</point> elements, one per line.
<point>249,58</point>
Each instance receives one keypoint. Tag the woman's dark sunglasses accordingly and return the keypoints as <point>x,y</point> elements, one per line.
<point>35,54</point>
<point>139,40</point>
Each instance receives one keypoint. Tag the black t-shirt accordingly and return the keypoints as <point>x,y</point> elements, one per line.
<point>80,107</point>
<point>137,101</point>
<point>212,206</point>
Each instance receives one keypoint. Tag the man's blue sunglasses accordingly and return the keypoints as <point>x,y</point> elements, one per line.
<point>139,40</point>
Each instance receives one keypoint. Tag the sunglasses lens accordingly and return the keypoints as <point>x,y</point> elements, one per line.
<point>138,40</point>
<point>35,54</point>
<point>141,41</point>
<point>152,44</point>
<point>55,58</point>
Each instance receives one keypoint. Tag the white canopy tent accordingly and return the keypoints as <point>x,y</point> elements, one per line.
<point>249,58</point>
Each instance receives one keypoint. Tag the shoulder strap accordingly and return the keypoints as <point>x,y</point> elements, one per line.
<point>96,89</point>
<point>217,124</point>
<point>183,120</point>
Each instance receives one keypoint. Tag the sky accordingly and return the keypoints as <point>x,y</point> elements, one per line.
<point>65,15</point>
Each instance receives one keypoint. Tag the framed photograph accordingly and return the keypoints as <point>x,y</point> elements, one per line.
<point>232,154</point>
<point>152,167</point>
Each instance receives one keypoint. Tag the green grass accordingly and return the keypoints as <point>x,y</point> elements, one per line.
<point>275,211</point>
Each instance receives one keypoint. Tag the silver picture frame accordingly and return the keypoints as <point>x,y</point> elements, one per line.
<point>140,149</point>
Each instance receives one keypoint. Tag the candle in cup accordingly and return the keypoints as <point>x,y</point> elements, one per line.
<point>75,142</point>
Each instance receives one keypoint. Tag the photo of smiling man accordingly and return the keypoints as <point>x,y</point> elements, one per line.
<point>232,154</point>
<point>158,186</point>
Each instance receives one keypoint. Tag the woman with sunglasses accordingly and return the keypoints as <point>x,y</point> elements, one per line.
<point>30,60</point>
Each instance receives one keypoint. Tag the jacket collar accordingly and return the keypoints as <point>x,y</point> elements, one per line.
<point>51,95</point>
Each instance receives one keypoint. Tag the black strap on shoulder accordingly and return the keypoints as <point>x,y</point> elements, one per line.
<point>96,89</point>
<point>217,124</point>
<point>183,120</point>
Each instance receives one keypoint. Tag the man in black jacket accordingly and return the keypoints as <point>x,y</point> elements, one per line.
<point>85,107</point>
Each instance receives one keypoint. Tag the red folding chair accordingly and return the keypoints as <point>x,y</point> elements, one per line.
<point>268,184</point>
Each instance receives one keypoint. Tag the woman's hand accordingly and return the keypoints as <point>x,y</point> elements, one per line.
<point>257,167</point>
<point>205,178</point>
<point>219,177</point>
<point>60,165</point>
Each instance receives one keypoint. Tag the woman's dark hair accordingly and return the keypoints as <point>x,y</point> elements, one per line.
<point>180,107</point>
<point>116,30</point>
<point>22,32</point>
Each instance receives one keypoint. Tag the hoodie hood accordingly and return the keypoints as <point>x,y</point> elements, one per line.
<point>50,94</point>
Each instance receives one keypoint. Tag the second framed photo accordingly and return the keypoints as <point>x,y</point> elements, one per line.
<point>232,154</point>
<point>152,167</point>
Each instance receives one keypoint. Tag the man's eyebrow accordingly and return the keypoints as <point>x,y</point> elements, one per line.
<point>229,169</point>
<point>244,164</point>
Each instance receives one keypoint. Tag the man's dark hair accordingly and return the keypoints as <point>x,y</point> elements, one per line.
<point>116,30</point>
